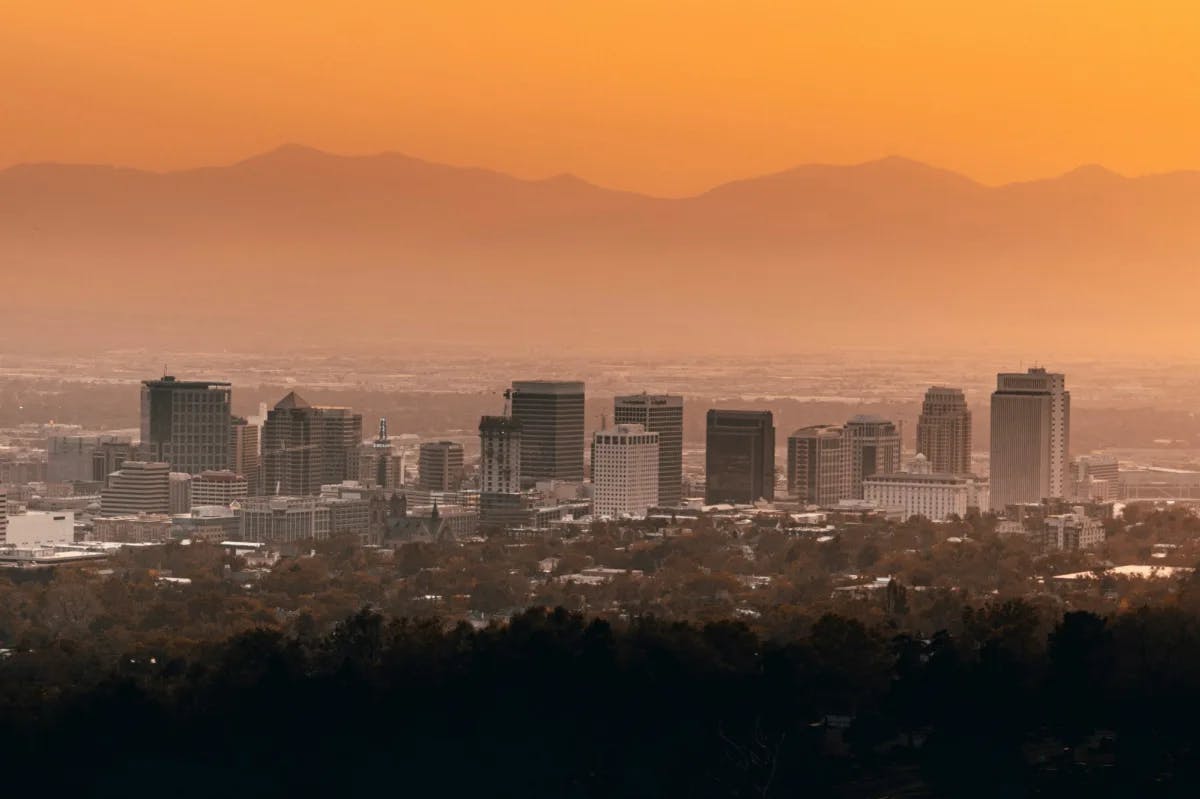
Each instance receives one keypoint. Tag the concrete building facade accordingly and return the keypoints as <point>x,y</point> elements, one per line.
<point>625,471</point>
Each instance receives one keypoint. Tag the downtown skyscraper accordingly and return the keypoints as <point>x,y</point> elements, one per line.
<point>1031,435</point>
<point>739,456</point>
<point>187,424</point>
<point>550,414</point>
<point>662,414</point>
<point>944,430</point>
<point>874,449</point>
<point>819,465</point>
<point>306,446</point>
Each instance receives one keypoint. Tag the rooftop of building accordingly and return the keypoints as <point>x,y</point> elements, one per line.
<point>548,386</point>
<point>170,381</point>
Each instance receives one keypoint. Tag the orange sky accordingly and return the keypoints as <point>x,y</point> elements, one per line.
<point>664,97</point>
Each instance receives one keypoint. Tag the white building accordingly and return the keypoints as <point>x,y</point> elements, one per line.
<point>624,471</point>
<point>276,519</point>
<point>218,488</point>
<point>1072,531</point>
<point>918,491</point>
<point>40,528</point>
<point>500,455</point>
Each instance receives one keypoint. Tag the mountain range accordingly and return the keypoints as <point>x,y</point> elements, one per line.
<point>302,246</point>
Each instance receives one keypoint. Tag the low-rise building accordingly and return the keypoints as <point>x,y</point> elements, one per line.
<point>1072,531</point>
<point>280,519</point>
<point>218,488</point>
<point>142,528</point>
<point>918,491</point>
<point>41,528</point>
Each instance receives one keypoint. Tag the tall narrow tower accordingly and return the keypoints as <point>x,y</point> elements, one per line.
<point>1031,437</point>
<point>944,430</point>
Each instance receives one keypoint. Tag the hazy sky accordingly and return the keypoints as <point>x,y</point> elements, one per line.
<point>664,96</point>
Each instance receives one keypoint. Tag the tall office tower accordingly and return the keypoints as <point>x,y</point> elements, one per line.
<point>499,455</point>
<point>819,465</point>
<point>739,456</point>
<point>551,417</point>
<point>186,424</point>
<point>625,462</point>
<point>662,414</point>
<point>109,455</point>
<point>3,516</point>
<point>874,449</point>
<point>137,487</point>
<point>1031,434</point>
<point>305,447</point>
<point>69,458</point>
<point>244,458</point>
<point>944,431</point>
<point>440,466</point>
<point>179,489</point>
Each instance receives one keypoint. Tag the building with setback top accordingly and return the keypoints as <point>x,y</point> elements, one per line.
<point>944,430</point>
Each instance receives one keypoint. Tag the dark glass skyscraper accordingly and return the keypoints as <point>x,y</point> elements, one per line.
<point>550,414</point>
<point>305,447</point>
<point>187,424</point>
<point>662,414</point>
<point>739,457</point>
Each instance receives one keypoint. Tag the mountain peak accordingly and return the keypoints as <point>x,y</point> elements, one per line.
<point>1092,173</point>
<point>289,153</point>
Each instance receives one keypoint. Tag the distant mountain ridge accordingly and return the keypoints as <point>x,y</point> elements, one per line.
<point>887,250</point>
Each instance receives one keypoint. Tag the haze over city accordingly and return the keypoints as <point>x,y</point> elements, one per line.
<point>555,399</point>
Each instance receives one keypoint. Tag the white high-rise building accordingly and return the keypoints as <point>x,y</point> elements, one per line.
<point>500,455</point>
<point>1031,435</point>
<point>624,471</point>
